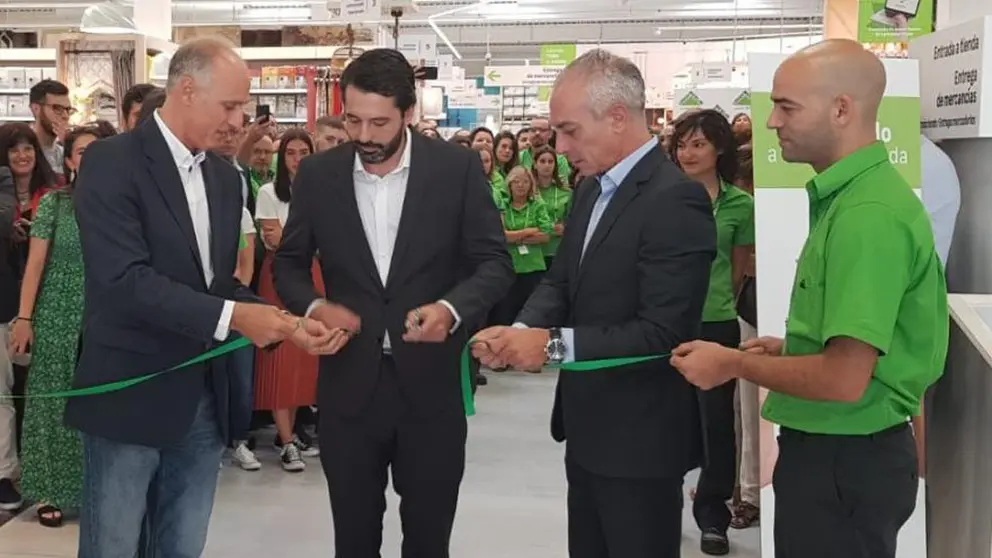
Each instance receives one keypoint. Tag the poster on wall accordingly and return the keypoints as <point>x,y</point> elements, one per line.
<point>899,21</point>
<point>781,226</point>
<point>729,101</point>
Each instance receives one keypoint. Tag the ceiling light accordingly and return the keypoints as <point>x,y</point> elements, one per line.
<point>106,18</point>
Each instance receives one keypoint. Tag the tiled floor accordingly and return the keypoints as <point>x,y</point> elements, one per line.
<point>512,501</point>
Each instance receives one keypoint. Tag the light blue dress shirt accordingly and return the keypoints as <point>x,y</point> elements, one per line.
<point>609,183</point>
<point>941,190</point>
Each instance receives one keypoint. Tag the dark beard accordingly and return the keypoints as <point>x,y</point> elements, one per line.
<point>380,152</point>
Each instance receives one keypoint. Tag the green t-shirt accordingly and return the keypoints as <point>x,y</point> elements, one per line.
<point>733,211</point>
<point>242,242</point>
<point>526,160</point>
<point>558,201</point>
<point>501,194</point>
<point>868,271</point>
<point>527,258</point>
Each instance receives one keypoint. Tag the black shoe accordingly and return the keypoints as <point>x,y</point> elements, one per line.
<point>714,542</point>
<point>10,498</point>
<point>481,380</point>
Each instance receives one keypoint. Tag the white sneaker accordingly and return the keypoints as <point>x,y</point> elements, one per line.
<point>245,458</point>
<point>291,459</point>
<point>306,450</point>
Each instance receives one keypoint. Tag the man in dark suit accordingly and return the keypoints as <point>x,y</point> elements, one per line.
<point>159,223</point>
<point>411,247</point>
<point>10,290</point>
<point>629,280</point>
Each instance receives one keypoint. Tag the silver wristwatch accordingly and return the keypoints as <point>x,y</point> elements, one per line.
<point>555,349</point>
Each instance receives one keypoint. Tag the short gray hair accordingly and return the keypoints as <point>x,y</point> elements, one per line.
<point>195,59</point>
<point>609,80</point>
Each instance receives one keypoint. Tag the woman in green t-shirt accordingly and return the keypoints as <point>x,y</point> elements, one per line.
<point>506,153</point>
<point>501,195</point>
<point>557,196</point>
<point>703,146</point>
<point>527,226</point>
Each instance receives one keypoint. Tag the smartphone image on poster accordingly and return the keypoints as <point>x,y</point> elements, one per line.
<point>909,8</point>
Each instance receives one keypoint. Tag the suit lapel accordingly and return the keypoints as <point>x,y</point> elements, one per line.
<point>416,189</point>
<point>353,219</point>
<point>625,194</point>
<point>582,213</point>
<point>162,168</point>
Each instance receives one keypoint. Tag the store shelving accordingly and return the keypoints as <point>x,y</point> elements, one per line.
<point>21,68</point>
<point>520,105</point>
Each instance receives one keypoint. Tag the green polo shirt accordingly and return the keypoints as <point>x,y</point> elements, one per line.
<point>527,258</point>
<point>526,160</point>
<point>868,271</point>
<point>558,201</point>
<point>501,194</point>
<point>733,211</point>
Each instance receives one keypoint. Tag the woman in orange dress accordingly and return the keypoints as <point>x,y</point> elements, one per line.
<point>285,377</point>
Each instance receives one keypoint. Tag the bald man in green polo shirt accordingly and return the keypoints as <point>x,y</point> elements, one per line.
<point>867,328</point>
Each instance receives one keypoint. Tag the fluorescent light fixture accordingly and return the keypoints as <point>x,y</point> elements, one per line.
<point>441,34</point>
<point>106,18</point>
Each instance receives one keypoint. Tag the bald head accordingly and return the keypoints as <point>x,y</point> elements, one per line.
<point>840,67</point>
<point>198,59</point>
<point>826,100</point>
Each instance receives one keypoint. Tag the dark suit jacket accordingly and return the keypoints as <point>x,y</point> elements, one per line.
<point>450,246</point>
<point>147,305</point>
<point>9,283</point>
<point>638,291</point>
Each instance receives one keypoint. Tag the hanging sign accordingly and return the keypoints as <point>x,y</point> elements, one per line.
<point>521,76</point>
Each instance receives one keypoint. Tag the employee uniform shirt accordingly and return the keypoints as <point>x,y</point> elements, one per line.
<point>526,159</point>
<point>868,271</point>
<point>733,211</point>
<point>558,201</point>
<point>527,258</point>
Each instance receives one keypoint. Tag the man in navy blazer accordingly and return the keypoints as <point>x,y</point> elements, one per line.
<point>159,223</point>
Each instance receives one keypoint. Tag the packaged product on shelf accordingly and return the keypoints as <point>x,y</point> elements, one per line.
<point>287,77</point>
<point>301,106</point>
<point>269,100</point>
<point>17,105</point>
<point>17,78</point>
<point>285,106</point>
<point>270,77</point>
<point>32,76</point>
<point>4,107</point>
<point>4,78</point>
<point>256,77</point>
<point>301,77</point>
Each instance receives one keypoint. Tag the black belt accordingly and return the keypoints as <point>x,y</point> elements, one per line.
<point>880,434</point>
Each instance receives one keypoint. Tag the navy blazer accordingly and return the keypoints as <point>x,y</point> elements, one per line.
<point>148,306</point>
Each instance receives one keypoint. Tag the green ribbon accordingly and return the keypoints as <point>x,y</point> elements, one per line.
<point>468,398</point>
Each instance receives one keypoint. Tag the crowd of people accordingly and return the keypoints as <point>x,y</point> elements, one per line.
<point>648,270</point>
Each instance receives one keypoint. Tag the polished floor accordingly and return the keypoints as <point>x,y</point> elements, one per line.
<point>512,501</point>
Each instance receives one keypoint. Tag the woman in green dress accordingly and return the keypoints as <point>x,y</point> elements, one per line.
<point>557,196</point>
<point>49,323</point>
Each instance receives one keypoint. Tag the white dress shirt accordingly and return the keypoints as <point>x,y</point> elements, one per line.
<point>380,206</point>
<point>195,190</point>
<point>941,191</point>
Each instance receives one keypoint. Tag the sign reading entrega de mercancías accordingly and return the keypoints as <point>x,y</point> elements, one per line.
<point>955,97</point>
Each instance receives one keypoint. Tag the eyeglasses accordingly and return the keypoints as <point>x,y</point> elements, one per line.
<point>62,110</point>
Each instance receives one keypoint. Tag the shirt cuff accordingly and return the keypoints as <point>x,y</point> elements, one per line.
<point>313,306</point>
<point>454,314</point>
<point>568,336</point>
<point>224,323</point>
<point>520,325</point>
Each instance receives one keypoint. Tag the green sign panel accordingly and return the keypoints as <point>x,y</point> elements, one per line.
<point>744,99</point>
<point>557,55</point>
<point>895,21</point>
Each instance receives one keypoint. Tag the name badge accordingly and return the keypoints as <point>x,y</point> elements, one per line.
<point>523,250</point>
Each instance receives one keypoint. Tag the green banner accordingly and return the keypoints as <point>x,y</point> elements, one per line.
<point>557,55</point>
<point>898,127</point>
<point>895,21</point>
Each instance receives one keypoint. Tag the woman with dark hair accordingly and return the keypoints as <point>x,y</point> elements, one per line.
<point>703,146</point>
<point>21,152</point>
<point>557,196</point>
<point>285,377</point>
<point>501,195</point>
<point>523,139</point>
<point>482,136</point>
<point>48,324</point>
<point>505,150</point>
<point>741,125</point>
<point>104,128</point>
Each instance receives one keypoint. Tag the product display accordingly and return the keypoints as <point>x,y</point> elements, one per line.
<point>15,83</point>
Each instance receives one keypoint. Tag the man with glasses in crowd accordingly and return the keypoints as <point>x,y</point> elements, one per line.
<point>50,106</point>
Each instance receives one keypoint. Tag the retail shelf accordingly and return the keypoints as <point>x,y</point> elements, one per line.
<point>27,118</point>
<point>27,55</point>
<point>300,91</point>
<point>301,53</point>
<point>289,119</point>
<point>14,91</point>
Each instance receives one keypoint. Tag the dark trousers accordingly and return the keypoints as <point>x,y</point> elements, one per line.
<point>612,517</point>
<point>719,472</point>
<point>426,455</point>
<point>843,496</point>
<point>241,370</point>
<point>505,312</point>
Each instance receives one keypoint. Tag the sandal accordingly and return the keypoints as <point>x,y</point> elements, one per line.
<point>49,516</point>
<point>746,515</point>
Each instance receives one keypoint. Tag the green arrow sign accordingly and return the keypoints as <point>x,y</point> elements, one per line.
<point>493,75</point>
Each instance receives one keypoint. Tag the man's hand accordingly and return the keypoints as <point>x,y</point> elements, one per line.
<point>21,227</point>
<point>428,324</point>
<point>262,324</point>
<point>770,346</point>
<point>706,365</point>
<point>317,339</point>
<point>336,316</point>
<point>522,349</point>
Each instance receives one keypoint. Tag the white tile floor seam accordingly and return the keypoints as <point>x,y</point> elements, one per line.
<point>512,502</point>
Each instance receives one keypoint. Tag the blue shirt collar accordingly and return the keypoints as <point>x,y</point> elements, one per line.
<point>614,177</point>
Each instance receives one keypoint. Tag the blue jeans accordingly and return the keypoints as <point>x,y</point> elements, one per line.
<point>241,365</point>
<point>168,493</point>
